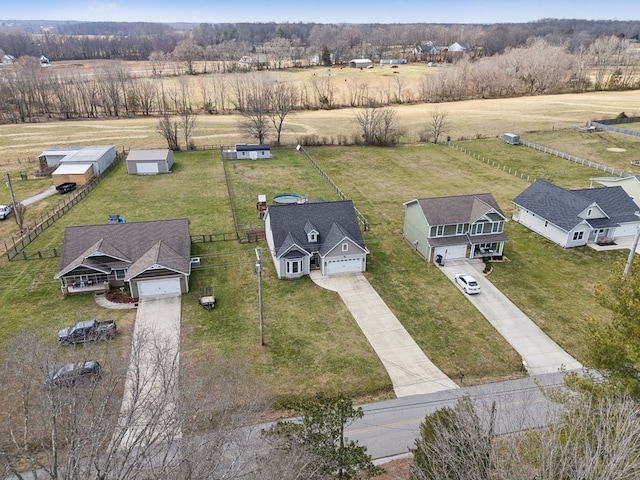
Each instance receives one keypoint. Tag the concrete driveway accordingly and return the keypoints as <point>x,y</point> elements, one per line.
<point>541,354</point>
<point>152,375</point>
<point>410,370</point>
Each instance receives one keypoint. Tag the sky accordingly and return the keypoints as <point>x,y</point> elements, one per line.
<point>320,11</point>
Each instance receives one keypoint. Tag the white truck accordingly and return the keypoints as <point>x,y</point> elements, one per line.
<point>5,210</point>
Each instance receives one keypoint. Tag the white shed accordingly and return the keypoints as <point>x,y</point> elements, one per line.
<point>252,151</point>
<point>149,162</point>
<point>360,63</point>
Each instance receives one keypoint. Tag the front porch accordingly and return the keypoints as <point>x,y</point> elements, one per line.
<point>487,250</point>
<point>97,283</point>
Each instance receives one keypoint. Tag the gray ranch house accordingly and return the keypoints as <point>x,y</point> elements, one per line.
<point>572,218</point>
<point>319,235</point>
<point>153,258</point>
<point>462,226</point>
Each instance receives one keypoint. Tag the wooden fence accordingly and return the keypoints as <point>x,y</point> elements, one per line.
<point>361,218</point>
<point>214,237</point>
<point>17,242</point>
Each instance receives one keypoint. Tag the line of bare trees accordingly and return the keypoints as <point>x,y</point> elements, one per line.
<point>31,92</point>
<point>202,426</point>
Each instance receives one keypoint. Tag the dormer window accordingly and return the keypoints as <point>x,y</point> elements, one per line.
<point>345,247</point>
<point>312,233</point>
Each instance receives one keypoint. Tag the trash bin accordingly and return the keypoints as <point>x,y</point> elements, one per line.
<point>439,260</point>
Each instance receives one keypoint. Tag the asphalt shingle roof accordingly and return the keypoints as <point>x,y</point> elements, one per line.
<point>332,220</point>
<point>561,207</point>
<point>458,209</point>
<point>165,242</point>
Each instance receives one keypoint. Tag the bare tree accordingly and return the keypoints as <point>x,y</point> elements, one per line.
<point>158,61</point>
<point>378,126</point>
<point>175,424</point>
<point>168,128</point>
<point>188,124</point>
<point>257,109</point>
<point>436,126</point>
<point>283,99</point>
<point>187,52</point>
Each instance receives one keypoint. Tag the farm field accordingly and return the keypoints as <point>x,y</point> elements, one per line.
<point>312,342</point>
<point>21,144</point>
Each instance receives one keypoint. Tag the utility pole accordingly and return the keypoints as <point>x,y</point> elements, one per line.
<point>13,201</point>
<point>632,253</point>
<point>259,272</point>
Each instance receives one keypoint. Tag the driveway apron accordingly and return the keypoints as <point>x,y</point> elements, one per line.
<point>410,370</point>
<point>538,351</point>
<point>152,375</point>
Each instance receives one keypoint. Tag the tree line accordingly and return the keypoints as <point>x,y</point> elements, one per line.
<point>136,40</point>
<point>32,92</point>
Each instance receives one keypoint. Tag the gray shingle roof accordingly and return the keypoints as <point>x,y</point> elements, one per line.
<point>561,207</point>
<point>616,203</point>
<point>458,209</point>
<point>330,219</point>
<point>165,242</point>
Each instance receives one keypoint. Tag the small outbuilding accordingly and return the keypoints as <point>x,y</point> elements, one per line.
<point>78,173</point>
<point>360,63</point>
<point>247,151</point>
<point>99,156</point>
<point>149,162</point>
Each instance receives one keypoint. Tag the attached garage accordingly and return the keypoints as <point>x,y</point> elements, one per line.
<point>163,286</point>
<point>451,252</point>
<point>149,162</point>
<point>78,173</point>
<point>344,265</point>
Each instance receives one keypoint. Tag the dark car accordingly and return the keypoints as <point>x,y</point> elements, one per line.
<point>71,373</point>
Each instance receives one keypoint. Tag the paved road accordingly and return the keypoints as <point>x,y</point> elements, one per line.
<point>410,370</point>
<point>541,354</point>
<point>389,429</point>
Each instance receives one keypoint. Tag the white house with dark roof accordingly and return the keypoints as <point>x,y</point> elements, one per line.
<point>630,184</point>
<point>318,235</point>
<point>461,226</point>
<point>572,218</point>
<point>152,257</point>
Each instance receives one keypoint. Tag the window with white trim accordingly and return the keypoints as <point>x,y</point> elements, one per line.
<point>345,247</point>
<point>440,231</point>
<point>294,266</point>
<point>477,229</point>
<point>578,235</point>
<point>496,227</point>
<point>460,229</point>
<point>120,273</point>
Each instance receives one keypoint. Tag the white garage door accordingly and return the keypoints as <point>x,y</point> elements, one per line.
<point>448,253</point>
<point>147,168</point>
<point>347,265</point>
<point>165,286</point>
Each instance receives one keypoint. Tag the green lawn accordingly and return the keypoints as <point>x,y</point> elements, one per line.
<point>312,343</point>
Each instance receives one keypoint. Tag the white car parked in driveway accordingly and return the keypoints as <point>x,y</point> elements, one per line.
<point>468,283</point>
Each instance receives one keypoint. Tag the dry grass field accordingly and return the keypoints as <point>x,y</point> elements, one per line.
<point>466,119</point>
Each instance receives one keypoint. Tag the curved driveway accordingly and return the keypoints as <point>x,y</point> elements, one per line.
<point>410,370</point>
<point>541,354</point>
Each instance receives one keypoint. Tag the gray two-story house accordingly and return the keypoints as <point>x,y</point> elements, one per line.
<point>461,226</point>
